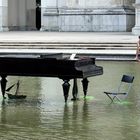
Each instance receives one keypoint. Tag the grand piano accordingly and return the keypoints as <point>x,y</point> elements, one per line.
<point>49,65</point>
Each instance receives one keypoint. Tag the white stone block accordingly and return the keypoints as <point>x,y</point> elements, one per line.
<point>122,20</point>
<point>107,20</point>
<point>51,3</point>
<point>52,23</point>
<point>115,20</point>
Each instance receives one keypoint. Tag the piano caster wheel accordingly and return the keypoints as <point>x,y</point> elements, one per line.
<point>4,97</point>
<point>74,99</point>
<point>84,96</point>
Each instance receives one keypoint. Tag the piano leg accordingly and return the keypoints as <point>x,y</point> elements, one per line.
<point>85,86</point>
<point>66,87</point>
<point>75,90</point>
<point>3,85</point>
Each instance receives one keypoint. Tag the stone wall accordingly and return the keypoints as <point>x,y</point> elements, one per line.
<point>70,15</point>
<point>88,15</point>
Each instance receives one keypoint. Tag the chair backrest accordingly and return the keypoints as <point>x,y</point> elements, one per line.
<point>127,78</point>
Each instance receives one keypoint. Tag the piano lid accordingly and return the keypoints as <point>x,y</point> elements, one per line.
<point>33,56</point>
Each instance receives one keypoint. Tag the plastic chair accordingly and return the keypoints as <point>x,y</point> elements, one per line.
<point>122,90</point>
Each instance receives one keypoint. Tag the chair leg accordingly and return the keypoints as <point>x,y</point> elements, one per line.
<point>109,97</point>
<point>118,99</point>
<point>112,99</point>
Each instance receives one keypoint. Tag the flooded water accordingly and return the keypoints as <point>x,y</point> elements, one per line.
<point>45,116</point>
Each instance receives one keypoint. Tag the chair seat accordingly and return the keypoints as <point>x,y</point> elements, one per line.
<point>115,93</point>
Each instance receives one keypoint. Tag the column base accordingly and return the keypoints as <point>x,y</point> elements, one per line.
<point>42,28</point>
<point>136,30</point>
<point>4,29</point>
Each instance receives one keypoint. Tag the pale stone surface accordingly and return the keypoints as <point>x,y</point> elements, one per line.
<point>137,1</point>
<point>70,15</point>
<point>136,29</point>
<point>4,14</point>
<point>0,15</point>
<point>89,15</point>
<point>30,10</point>
<point>21,14</point>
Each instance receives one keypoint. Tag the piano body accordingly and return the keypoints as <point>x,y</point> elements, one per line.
<point>49,65</point>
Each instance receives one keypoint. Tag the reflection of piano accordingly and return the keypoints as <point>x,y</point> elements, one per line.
<point>54,65</point>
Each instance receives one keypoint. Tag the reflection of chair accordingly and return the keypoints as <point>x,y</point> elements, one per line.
<point>123,88</point>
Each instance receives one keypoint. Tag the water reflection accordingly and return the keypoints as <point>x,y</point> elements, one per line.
<point>44,115</point>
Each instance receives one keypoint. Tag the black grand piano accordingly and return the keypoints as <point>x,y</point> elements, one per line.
<point>49,65</point>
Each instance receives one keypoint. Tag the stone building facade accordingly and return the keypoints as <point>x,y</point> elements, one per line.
<point>70,15</point>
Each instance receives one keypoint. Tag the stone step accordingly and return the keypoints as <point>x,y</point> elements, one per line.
<point>120,46</point>
<point>102,51</point>
<point>118,55</point>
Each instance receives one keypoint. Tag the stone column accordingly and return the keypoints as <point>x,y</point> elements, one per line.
<point>3,15</point>
<point>22,15</point>
<point>43,7</point>
<point>136,29</point>
<point>13,15</point>
<point>31,14</point>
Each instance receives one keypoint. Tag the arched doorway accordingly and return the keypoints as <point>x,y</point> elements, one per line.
<point>24,15</point>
